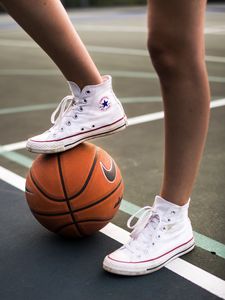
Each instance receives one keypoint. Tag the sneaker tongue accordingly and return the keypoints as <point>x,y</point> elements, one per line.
<point>153,222</point>
<point>74,88</point>
<point>149,228</point>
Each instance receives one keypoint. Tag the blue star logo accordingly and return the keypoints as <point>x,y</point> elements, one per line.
<point>104,103</point>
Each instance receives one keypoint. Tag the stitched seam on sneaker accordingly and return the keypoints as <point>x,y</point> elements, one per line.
<point>67,137</point>
<point>152,259</point>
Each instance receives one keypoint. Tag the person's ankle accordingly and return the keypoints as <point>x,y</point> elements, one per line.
<point>164,207</point>
<point>175,200</point>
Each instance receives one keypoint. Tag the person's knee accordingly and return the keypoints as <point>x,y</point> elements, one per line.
<point>172,55</point>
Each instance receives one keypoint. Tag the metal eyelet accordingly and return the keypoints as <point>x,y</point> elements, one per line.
<point>82,128</point>
<point>164,228</point>
<point>80,108</point>
<point>173,212</point>
<point>87,92</point>
<point>168,220</point>
<point>61,129</point>
<point>68,123</point>
<point>153,244</point>
<point>75,116</point>
<point>93,126</point>
<point>158,236</point>
<point>85,100</point>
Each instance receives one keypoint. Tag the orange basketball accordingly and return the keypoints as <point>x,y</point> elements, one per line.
<point>74,193</point>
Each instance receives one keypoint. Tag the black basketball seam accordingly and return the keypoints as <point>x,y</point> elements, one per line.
<point>42,192</point>
<point>102,199</point>
<point>57,230</point>
<point>65,194</point>
<point>75,195</point>
<point>88,178</point>
<point>83,208</point>
<point>27,190</point>
<point>118,202</point>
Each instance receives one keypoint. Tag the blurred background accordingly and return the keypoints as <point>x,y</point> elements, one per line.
<point>83,3</point>
<point>94,3</point>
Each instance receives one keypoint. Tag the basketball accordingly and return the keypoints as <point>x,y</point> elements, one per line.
<point>74,193</point>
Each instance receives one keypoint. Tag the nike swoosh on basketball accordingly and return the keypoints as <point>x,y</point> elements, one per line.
<point>110,173</point>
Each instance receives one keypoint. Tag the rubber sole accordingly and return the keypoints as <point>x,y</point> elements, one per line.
<point>145,270</point>
<point>71,144</point>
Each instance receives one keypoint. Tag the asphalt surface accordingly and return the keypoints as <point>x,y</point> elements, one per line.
<point>29,77</point>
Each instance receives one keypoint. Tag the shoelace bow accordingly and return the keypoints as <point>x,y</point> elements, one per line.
<point>67,103</point>
<point>147,215</point>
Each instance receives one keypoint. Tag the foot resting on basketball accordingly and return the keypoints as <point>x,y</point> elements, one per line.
<point>162,233</point>
<point>91,112</point>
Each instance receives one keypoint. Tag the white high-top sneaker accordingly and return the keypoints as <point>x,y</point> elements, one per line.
<point>162,233</point>
<point>91,112</point>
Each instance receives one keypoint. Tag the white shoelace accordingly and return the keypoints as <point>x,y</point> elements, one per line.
<point>144,229</point>
<point>68,103</point>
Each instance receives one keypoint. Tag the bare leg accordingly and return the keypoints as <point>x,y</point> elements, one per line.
<point>176,46</point>
<point>48,24</point>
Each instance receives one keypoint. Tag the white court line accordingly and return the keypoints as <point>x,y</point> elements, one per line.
<point>217,103</point>
<point>146,118</point>
<point>114,73</point>
<point>205,280</point>
<point>160,115</point>
<point>131,121</point>
<point>13,146</point>
<point>219,29</point>
<point>139,29</point>
<point>100,49</point>
<point>12,178</point>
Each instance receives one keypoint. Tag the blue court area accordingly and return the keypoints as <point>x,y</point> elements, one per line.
<point>35,264</point>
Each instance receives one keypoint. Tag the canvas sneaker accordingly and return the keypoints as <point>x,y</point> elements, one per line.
<point>162,233</point>
<point>91,112</point>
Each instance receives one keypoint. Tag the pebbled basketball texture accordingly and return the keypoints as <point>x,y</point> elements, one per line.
<point>74,193</point>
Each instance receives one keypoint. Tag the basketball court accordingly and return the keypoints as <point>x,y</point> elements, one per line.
<point>35,264</point>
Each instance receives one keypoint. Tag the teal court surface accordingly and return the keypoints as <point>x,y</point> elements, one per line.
<point>35,264</point>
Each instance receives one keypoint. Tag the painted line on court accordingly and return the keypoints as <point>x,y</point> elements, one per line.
<point>12,178</point>
<point>13,146</point>
<point>205,280</point>
<point>117,73</point>
<point>127,207</point>
<point>99,49</point>
<point>217,103</point>
<point>27,108</point>
<point>126,100</point>
<point>160,115</point>
<point>202,241</point>
<point>118,29</point>
<point>18,158</point>
<point>137,29</point>
<point>46,106</point>
<point>219,29</point>
<point>131,121</point>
